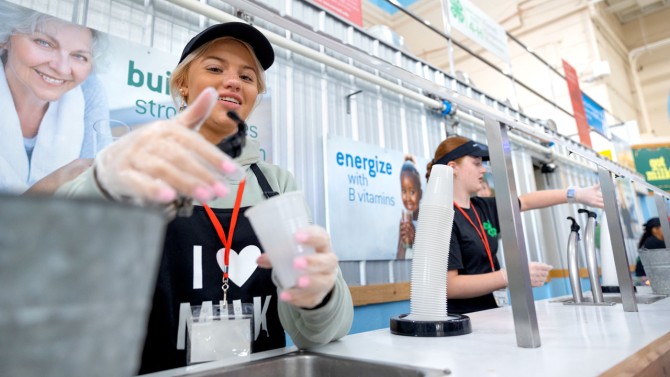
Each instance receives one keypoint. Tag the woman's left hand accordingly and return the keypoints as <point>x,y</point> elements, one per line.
<point>319,270</point>
<point>590,196</point>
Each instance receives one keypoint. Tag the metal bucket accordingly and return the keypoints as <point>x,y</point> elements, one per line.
<point>76,280</point>
<point>656,264</point>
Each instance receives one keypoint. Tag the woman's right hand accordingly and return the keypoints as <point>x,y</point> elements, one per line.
<point>166,158</point>
<point>538,273</point>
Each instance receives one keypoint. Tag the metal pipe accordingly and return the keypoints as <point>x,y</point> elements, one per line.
<point>633,55</point>
<point>591,260</point>
<point>525,143</point>
<point>617,240</point>
<point>662,210</point>
<point>516,256</point>
<point>427,24</point>
<point>573,262</point>
<point>428,86</point>
<point>288,44</point>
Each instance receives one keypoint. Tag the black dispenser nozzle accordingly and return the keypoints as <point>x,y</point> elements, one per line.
<point>574,227</point>
<point>588,213</point>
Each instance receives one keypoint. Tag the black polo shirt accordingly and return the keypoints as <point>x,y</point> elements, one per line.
<point>467,253</point>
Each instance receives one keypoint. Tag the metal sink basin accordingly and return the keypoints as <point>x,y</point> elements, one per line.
<point>306,364</point>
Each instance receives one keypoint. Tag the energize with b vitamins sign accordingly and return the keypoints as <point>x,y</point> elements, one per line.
<point>363,199</point>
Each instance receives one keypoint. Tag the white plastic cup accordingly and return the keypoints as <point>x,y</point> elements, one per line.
<point>107,131</point>
<point>275,222</point>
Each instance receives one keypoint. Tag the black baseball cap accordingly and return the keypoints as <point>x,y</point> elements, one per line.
<point>652,223</point>
<point>238,30</point>
<point>470,148</point>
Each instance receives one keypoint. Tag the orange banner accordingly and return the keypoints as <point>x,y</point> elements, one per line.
<point>577,104</point>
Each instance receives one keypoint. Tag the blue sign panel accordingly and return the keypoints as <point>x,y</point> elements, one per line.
<point>595,115</point>
<point>390,9</point>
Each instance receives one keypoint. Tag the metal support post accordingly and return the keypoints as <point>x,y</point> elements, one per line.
<point>79,12</point>
<point>516,258</point>
<point>616,236</point>
<point>661,207</point>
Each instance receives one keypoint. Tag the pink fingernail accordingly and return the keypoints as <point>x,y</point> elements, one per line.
<point>228,167</point>
<point>300,263</point>
<point>285,296</point>
<point>203,194</point>
<point>303,282</point>
<point>301,236</point>
<point>166,195</point>
<point>220,189</point>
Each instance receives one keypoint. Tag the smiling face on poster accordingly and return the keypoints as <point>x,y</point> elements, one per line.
<point>370,196</point>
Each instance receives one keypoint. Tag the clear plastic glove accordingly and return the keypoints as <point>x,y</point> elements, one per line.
<point>161,160</point>
<point>538,273</point>
<point>590,196</point>
<point>319,269</point>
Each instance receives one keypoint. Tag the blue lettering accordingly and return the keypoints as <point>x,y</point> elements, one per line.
<point>140,104</point>
<point>132,72</point>
<point>372,166</point>
<point>253,131</point>
<point>339,158</point>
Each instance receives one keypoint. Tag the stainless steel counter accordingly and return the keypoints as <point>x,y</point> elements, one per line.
<point>576,341</point>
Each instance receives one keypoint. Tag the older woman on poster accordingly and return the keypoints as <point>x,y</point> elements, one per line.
<point>48,100</point>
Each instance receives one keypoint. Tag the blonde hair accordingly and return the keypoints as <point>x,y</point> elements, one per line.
<point>180,74</point>
<point>447,145</point>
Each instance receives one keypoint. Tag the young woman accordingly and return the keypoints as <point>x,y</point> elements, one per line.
<point>474,272</point>
<point>221,69</point>
<point>652,238</point>
<point>48,111</point>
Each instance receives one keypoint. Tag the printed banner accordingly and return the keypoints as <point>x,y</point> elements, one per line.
<point>478,26</point>
<point>373,197</point>
<point>577,104</point>
<point>652,162</point>
<point>595,115</point>
<point>351,10</point>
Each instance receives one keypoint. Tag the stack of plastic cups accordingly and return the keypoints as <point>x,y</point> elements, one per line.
<point>431,247</point>
<point>428,304</point>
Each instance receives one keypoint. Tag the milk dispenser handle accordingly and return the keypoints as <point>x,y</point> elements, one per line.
<point>589,213</point>
<point>574,227</point>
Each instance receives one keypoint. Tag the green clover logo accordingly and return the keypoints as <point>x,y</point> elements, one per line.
<point>457,10</point>
<point>493,232</point>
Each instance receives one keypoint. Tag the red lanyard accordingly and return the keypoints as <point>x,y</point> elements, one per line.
<point>480,231</point>
<point>231,229</point>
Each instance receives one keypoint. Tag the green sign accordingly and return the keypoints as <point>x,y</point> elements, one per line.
<point>653,162</point>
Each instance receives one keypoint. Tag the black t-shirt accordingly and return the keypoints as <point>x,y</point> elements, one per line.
<point>190,274</point>
<point>467,253</point>
<point>650,243</point>
<point>653,243</point>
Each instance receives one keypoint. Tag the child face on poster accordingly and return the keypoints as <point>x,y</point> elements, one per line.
<point>411,191</point>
